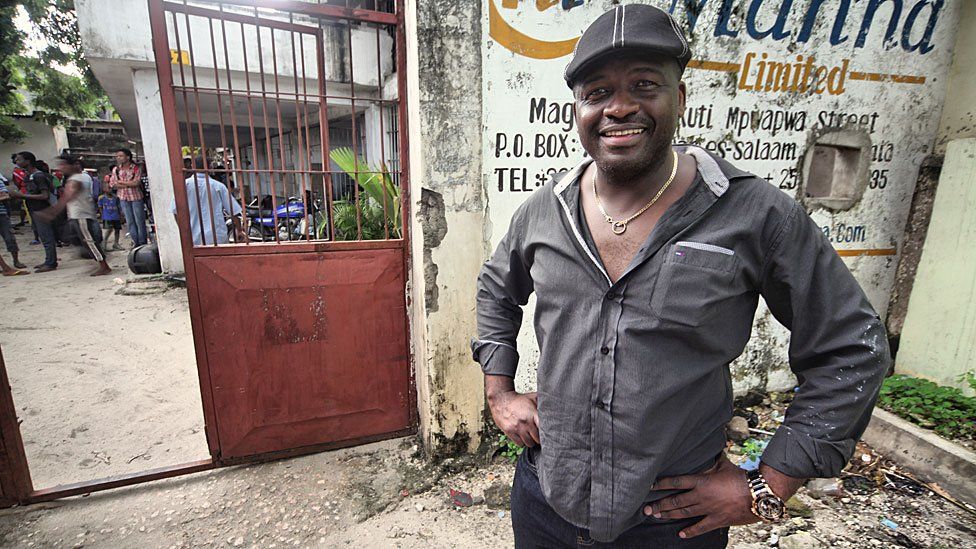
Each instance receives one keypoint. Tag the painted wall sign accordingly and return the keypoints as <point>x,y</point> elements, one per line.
<point>181,57</point>
<point>767,77</point>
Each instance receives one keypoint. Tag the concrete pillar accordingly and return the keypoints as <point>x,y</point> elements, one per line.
<point>146,86</point>
<point>447,217</point>
<point>938,340</point>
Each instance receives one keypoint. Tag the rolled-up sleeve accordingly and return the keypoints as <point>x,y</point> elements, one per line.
<point>838,350</point>
<point>504,286</point>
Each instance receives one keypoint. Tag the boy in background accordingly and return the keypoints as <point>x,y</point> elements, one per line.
<point>108,207</point>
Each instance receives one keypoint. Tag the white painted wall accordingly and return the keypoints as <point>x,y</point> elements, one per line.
<point>146,86</point>
<point>959,111</point>
<point>44,141</point>
<point>938,341</point>
<point>904,115</point>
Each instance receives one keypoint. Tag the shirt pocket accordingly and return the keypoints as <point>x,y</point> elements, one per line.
<point>695,278</point>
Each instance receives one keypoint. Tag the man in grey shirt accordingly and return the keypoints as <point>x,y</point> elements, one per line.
<point>647,261</point>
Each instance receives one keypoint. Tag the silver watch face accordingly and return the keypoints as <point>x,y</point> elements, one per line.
<point>769,507</point>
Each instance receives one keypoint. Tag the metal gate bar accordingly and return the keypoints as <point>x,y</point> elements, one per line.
<point>277,173</point>
<point>120,481</point>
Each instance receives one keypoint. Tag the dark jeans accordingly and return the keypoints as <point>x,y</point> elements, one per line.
<point>537,525</point>
<point>8,234</point>
<point>45,232</point>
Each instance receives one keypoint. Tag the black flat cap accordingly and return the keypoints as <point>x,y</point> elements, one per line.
<point>633,27</point>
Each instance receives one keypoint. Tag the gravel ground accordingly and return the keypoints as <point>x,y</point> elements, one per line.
<point>103,374</point>
<point>385,495</point>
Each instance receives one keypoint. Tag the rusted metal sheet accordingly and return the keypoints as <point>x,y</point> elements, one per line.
<point>305,350</point>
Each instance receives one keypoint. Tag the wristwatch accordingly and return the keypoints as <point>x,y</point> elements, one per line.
<point>765,504</point>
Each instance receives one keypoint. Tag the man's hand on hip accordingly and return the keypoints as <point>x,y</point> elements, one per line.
<point>516,414</point>
<point>721,495</point>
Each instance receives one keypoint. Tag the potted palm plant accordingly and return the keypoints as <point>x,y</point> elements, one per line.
<point>379,201</point>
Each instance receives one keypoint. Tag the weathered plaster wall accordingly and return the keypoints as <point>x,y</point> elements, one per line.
<point>886,65</point>
<point>44,141</point>
<point>447,212</point>
<point>146,86</point>
<point>916,231</point>
<point>959,111</point>
<point>939,336</point>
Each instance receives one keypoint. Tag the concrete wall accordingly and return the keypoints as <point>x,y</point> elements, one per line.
<point>447,216</point>
<point>156,153</point>
<point>957,122</point>
<point>959,110</point>
<point>42,140</point>
<point>938,340</point>
<point>889,63</point>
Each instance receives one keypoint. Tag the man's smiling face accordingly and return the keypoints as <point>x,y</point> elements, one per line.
<point>627,111</point>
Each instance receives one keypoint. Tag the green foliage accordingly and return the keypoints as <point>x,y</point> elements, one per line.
<point>969,378</point>
<point>753,448</point>
<point>380,191</point>
<point>344,215</point>
<point>943,409</point>
<point>35,82</point>
<point>508,449</point>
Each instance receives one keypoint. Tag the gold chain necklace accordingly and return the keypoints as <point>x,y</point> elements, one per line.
<point>620,227</point>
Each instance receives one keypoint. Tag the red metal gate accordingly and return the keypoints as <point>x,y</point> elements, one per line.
<point>299,318</point>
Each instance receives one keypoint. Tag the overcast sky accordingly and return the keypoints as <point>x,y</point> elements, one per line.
<point>35,42</point>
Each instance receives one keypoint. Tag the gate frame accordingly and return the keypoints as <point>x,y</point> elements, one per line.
<point>14,468</point>
<point>164,71</point>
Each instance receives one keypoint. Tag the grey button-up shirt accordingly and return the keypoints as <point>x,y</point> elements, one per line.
<point>633,377</point>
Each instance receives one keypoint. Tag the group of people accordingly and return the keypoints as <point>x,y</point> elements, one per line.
<point>69,199</point>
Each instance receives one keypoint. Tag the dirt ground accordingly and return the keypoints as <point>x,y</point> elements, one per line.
<point>383,495</point>
<point>104,382</point>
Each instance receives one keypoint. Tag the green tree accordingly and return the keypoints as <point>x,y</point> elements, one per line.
<point>34,79</point>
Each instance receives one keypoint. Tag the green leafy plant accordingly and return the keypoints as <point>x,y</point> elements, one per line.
<point>508,449</point>
<point>946,410</point>
<point>969,378</point>
<point>344,216</point>
<point>379,203</point>
<point>43,72</point>
<point>753,448</point>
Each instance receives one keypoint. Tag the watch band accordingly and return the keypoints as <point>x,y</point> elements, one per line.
<point>765,503</point>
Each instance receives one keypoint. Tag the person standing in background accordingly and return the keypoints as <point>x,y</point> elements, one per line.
<point>6,232</point>
<point>126,179</point>
<point>39,192</point>
<point>59,223</point>
<point>20,184</point>
<point>210,204</point>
